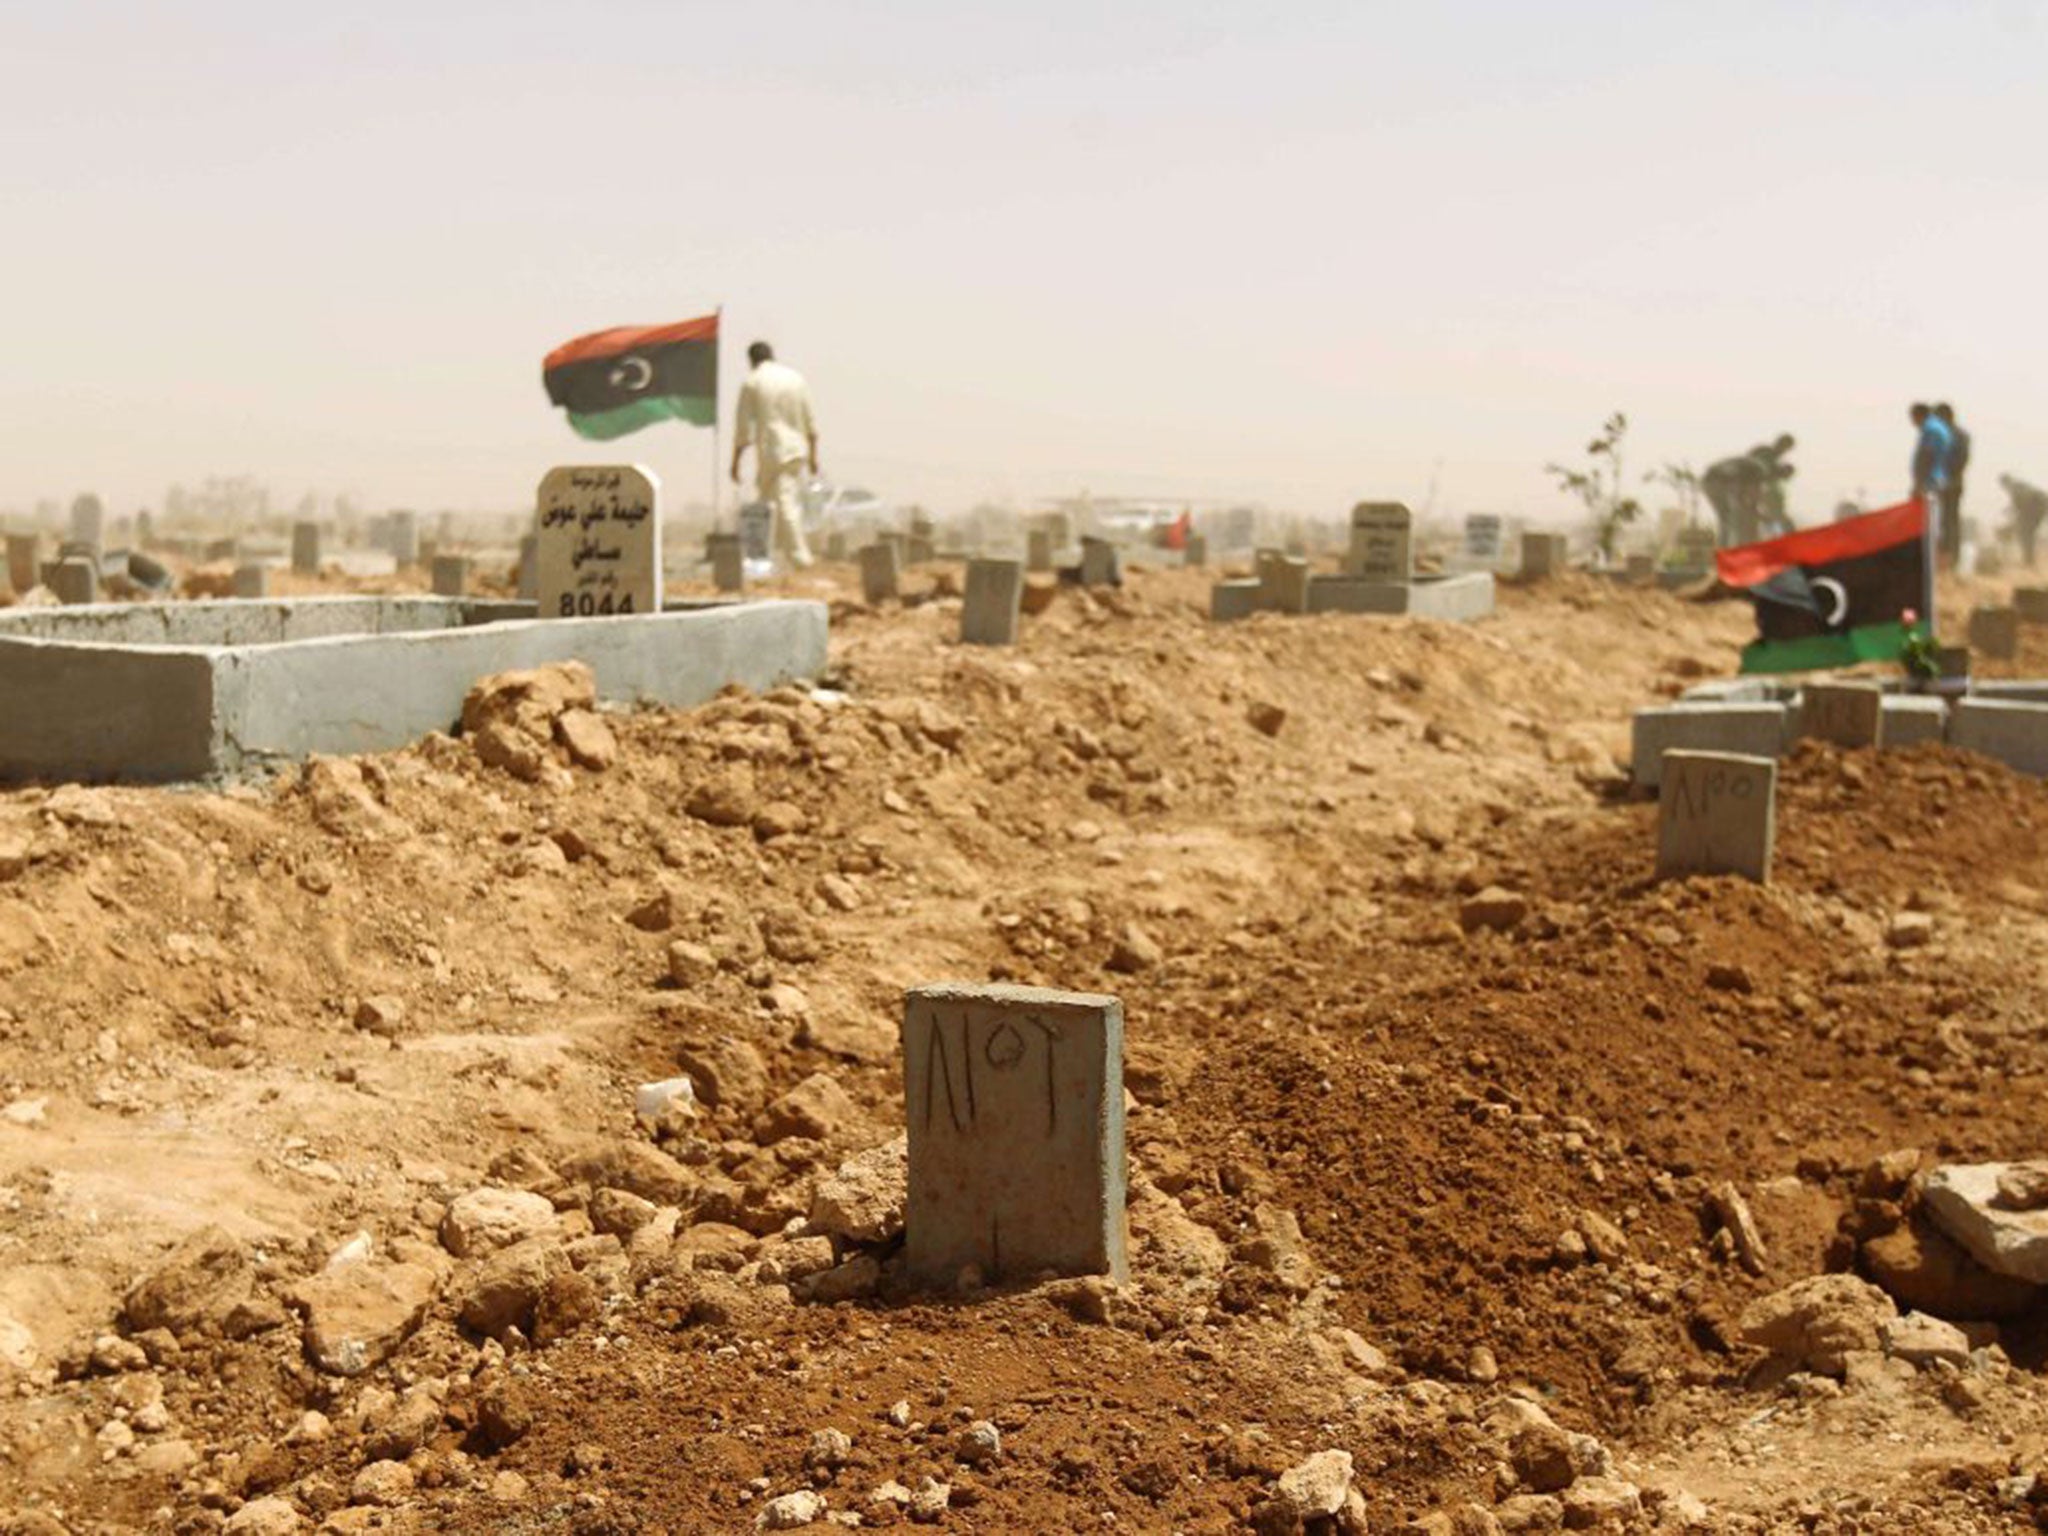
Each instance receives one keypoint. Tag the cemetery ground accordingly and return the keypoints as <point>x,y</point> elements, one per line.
<point>1458,1145</point>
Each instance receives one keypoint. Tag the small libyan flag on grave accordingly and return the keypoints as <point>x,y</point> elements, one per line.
<point>618,381</point>
<point>1835,595</point>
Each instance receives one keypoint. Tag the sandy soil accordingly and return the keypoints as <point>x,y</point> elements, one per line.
<point>1413,1169</point>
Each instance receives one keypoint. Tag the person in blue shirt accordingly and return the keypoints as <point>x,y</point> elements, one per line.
<point>1932,451</point>
<point>1952,492</point>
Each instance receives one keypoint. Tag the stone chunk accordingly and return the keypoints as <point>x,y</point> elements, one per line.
<point>357,1316</point>
<point>485,1220</point>
<point>863,1201</point>
<point>1923,1268</point>
<point>1818,1322</point>
<point>1014,1098</point>
<point>1315,1488</point>
<point>1922,1340</point>
<point>1963,1199</point>
<point>815,1108</point>
<point>1716,815</point>
<point>1494,907</point>
<point>203,1279</point>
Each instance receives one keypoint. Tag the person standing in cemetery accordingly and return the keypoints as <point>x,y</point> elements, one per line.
<point>2029,509</point>
<point>1931,451</point>
<point>1734,488</point>
<point>1952,493</point>
<point>1774,458</point>
<point>775,420</point>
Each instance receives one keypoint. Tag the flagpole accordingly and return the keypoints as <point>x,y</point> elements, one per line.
<point>717,435</point>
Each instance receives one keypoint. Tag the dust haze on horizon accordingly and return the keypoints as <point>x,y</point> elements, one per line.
<point>1294,255</point>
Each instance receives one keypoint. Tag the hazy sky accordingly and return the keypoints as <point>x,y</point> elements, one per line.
<point>1301,253</point>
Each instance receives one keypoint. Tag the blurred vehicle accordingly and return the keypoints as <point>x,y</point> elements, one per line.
<point>827,505</point>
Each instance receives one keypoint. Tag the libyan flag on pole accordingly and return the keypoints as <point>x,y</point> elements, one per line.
<point>618,381</point>
<point>1836,595</point>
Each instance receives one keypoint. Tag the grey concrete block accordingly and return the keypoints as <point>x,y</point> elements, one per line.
<point>1751,730</point>
<point>880,563</point>
<point>2017,690</point>
<point>1846,714</point>
<point>2014,733</point>
<point>1014,1102</point>
<point>1716,815</point>
<point>1102,564</point>
<point>1995,632</point>
<point>1909,718</point>
<point>306,549</point>
<point>1233,600</point>
<point>994,598</point>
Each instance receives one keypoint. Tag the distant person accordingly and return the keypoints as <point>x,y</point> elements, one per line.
<point>1774,457</point>
<point>1734,488</point>
<point>1952,495</point>
<point>2029,509</point>
<point>1931,450</point>
<point>1747,492</point>
<point>775,421</point>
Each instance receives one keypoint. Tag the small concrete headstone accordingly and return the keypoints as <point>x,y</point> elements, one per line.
<point>1543,554</point>
<point>1195,553</point>
<point>252,581</point>
<point>88,521</point>
<point>2031,604</point>
<point>1995,632</point>
<point>1102,564</point>
<point>727,553</point>
<point>529,567</point>
<point>1014,1100</point>
<point>995,594</point>
<point>451,575</point>
<point>24,556</point>
<point>1283,582</point>
<point>1696,546</point>
<point>305,549</point>
<point>835,545</point>
<point>75,580</point>
<point>1382,542</point>
<point>1482,539</point>
<point>878,574</point>
<point>402,536</point>
<point>921,551</point>
<point>1640,568</point>
<point>217,550</point>
<point>599,527</point>
<point>1038,549</point>
<point>1847,714</point>
<point>1716,815</point>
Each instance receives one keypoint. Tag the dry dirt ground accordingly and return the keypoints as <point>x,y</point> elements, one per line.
<point>1417,1173</point>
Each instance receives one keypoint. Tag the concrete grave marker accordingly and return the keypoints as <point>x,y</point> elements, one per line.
<point>24,556</point>
<point>1482,539</point>
<point>1543,554</point>
<point>2031,604</point>
<point>528,574</point>
<point>76,580</point>
<point>879,572</point>
<point>1847,714</point>
<point>402,535</point>
<point>451,575</point>
<point>1102,564</point>
<point>305,549</point>
<point>1640,568</point>
<point>88,522</point>
<point>1283,582</point>
<point>1716,815</point>
<point>995,595</point>
<point>1382,542</point>
<point>599,528</point>
<point>1014,1099</point>
<point>1038,549</point>
<point>251,581</point>
<point>1195,553</point>
<point>727,553</point>
<point>835,545</point>
<point>1995,632</point>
